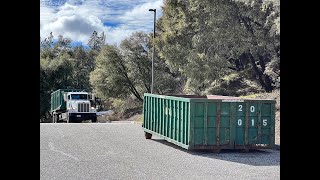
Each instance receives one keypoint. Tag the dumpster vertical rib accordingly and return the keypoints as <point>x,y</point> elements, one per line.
<point>218,123</point>
<point>259,124</point>
<point>246,125</point>
<point>187,134</point>
<point>153,114</point>
<point>170,119</point>
<point>149,111</point>
<point>164,117</point>
<point>205,123</point>
<point>144,110</point>
<point>272,127</point>
<point>191,125</point>
<point>178,122</point>
<point>175,119</point>
<point>167,117</point>
<point>174,129</point>
<point>231,140</point>
<point>161,115</point>
<point>157,115</point>
<point>183,122</point>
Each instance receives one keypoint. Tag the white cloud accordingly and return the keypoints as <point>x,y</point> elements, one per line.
<point>77,19</point>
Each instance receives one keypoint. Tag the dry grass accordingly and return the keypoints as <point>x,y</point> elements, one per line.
<point>108,118</point>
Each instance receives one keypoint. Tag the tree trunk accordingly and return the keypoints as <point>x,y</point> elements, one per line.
<point>264,81</point>
<point>267,78</point>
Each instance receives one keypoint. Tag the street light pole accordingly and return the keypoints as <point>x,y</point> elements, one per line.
<point>154,35</point>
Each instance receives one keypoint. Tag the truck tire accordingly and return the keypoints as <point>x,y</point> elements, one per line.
<point>57,118</point>
<point>54,120</point>
<point>69,119</point>
<point>94,120</point>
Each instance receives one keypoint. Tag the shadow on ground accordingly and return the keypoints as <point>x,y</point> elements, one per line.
<point>266,157</point>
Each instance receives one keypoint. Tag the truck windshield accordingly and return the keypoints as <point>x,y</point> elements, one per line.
<point>79,96</point>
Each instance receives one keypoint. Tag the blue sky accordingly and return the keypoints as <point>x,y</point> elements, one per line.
<point>77,19</point>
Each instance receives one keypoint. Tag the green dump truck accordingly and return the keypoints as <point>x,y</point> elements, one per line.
<point>72,105</point>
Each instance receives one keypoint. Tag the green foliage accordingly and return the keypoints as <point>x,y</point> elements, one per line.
<point>126,70</point>
<point>207,40</point>
<point>96,42</point>
<point>110,77</point>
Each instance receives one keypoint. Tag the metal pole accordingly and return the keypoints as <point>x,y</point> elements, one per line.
<point>154,35</point>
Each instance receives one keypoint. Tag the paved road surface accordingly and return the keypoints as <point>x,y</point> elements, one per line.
<point>119,151</point>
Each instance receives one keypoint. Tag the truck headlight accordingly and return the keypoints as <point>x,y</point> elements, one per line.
<point>73,108</point>
<point>93,108</point>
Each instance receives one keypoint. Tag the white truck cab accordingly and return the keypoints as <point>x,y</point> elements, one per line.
<point>79,107</point>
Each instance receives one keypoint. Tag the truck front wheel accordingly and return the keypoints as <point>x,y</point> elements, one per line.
<point>69,119</point>
<point>94,119</point>
<point>54,118</point>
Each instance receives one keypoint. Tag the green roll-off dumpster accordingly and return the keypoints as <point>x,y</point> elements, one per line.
<point>210,122</point>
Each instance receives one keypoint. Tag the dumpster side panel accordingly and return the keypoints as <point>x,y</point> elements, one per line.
<point>210,124</point>
<point>225,119</point>
<point>267,123</point>
<point>167,117</point>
